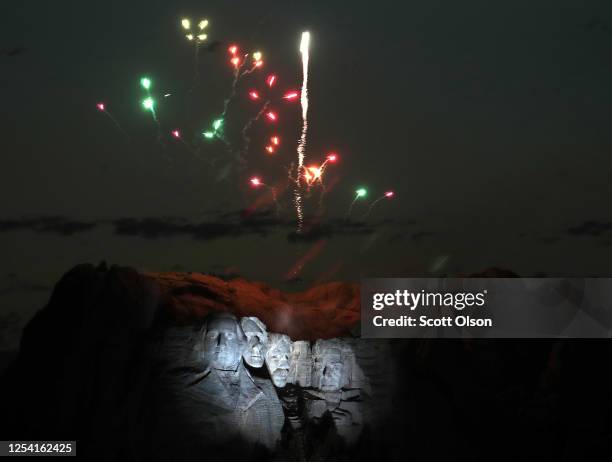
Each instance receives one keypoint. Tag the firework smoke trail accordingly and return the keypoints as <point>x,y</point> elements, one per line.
<point>361,192</point>
<point>245,129</point>
<point>102,108</point>
<point>301,149</point>
<point>365,215</point>
<point>256,182</point>
<point>232,94</point>
<point>387,195</point>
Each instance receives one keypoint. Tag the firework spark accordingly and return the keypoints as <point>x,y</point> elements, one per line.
<point>301,149</point>
<point>359,193</point>
<point>256,182</point>
<point>386,195</point>
<point>102,108</point>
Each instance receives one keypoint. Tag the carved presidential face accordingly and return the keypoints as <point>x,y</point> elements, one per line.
<point>327,373</point>
<point>223,343</point>
<point>277,358</point>
<point>257,339</point>
<point>300,363</point>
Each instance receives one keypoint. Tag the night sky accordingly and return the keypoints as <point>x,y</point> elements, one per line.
<point>490,120</point>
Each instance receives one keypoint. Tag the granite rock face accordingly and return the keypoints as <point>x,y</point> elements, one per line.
<point>121,362</point>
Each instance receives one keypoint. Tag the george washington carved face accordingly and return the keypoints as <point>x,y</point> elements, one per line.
<point>224,342</point>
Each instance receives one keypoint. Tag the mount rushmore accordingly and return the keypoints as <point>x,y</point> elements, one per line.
<point>229,379</point>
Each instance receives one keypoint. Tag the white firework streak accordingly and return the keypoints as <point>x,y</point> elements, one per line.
<point>301,149</point>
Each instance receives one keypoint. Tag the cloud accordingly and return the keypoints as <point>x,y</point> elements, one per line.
<point>226,225</point>
<point>48,224</point>
<point>332,228</point>
<point>590,228</point>
<point>215,225</point>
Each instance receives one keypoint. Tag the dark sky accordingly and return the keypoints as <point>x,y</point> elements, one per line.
<point>490,120</point>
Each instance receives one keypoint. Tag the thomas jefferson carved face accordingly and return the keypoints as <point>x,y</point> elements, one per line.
<point>257,339</point>
<point>223,342</point>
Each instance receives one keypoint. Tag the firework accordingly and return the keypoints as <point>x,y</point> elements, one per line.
<point>301,150</point>
<point>176,134</point>
<point>197,36</point>
<point>386,195</point>
<point>102,108</point>
<point>291,95</point>
<point>145,83</point>
<point>359,193</point>
<point>270,80</point>
<point>245,130</point>
<point>256,182</point>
